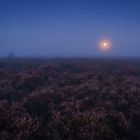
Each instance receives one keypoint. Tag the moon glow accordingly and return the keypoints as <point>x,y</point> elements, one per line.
<point>105,45</point>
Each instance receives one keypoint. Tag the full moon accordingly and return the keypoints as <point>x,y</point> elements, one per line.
<point>105,45</point>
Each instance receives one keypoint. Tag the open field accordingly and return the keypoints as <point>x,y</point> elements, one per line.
<point>69,99</point>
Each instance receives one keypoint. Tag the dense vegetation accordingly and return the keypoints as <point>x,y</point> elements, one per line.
<point>69,99</point>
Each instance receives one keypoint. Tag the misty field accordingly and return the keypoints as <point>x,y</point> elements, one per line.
<point>69,99</point>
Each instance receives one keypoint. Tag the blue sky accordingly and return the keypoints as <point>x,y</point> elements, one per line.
<point>69,28</point>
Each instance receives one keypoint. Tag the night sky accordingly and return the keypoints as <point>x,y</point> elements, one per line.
<point>69,28</point>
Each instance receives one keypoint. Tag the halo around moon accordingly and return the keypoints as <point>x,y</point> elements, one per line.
<point>105,45</point>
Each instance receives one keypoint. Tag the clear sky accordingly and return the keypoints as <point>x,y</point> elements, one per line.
<point>68,28</point>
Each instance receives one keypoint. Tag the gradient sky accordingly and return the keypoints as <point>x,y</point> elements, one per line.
<point>68,28</point>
